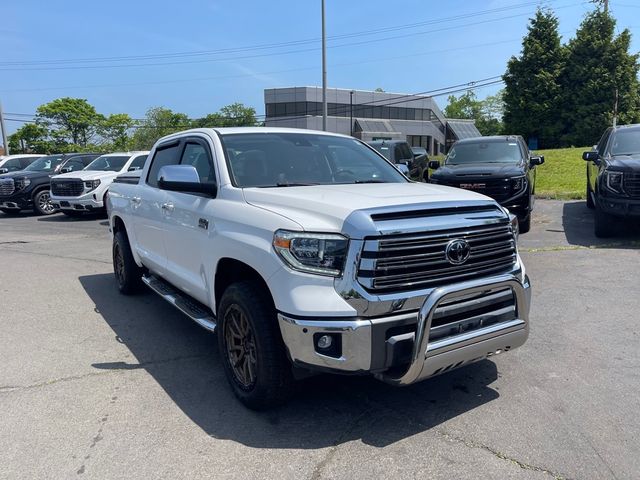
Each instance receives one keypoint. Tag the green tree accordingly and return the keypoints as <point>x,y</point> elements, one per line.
<point>157,123</point>
<point>115,129</point>
<point>532,93</point>
<point>30,138</point>
<point>599,66</point>
<point>234,115</point>
<point>69,121</point>
<point>486,113</point>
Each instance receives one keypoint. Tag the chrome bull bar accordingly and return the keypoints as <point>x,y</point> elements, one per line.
<point>431,358</point>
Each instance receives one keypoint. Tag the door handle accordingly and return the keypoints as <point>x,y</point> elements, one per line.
<point>136,200</point>
<point>168,207</point>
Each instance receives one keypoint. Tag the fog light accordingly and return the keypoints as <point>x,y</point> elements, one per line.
<point>324,342</point>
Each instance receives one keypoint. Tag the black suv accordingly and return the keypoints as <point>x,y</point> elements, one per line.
<point>613,178</point>
<point>500,167</point>
<point>29,188</point>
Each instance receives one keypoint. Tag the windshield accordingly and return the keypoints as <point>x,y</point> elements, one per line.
<point>45,164</point>
<point>484,152</point>
<point>291,159</point>
<point>626,142</point>
<point>108,163</point>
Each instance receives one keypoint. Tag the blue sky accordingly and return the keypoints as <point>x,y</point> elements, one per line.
<point>264,44</point>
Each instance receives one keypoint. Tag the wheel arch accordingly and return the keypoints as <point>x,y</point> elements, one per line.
<point>230,270</point>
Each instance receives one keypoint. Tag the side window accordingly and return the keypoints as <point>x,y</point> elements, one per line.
<point>603,143</point>
<point>26,161</point>
<point>12,165</point>
<point>196,154</point>
<point>165,155</point>
<point>138,162</point>
<point>74,165</point>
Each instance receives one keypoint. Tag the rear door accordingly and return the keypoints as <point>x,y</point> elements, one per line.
<point>148,206</point>
<point>190,224</point>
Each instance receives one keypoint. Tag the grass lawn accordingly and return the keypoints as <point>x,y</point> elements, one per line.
<point>563,175</point>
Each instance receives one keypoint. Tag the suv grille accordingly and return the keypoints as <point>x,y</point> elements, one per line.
<point>7,187</point>
<point>411,261</point>
<point>632,184</point>
<point>500,189</point>
<point>67,188</point>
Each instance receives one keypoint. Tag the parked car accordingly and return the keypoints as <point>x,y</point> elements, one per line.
<point>15,163</point>
<point>501,167</point>
<point>29,188</point>
<point>75,193</point>
<point>397,152</point>
<point>420,168</point>
<point>613,178</point>
<point>304,265</point>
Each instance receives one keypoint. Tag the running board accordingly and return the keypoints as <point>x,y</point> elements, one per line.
<point>193,309</point>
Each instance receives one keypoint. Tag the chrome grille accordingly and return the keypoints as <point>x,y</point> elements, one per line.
<point>7,187</point>
<point>500,189</point>
<point>413,261</point>
<point>632,184</point>
<point>67,188</point>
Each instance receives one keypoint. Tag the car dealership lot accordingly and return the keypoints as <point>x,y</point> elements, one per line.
<point>97,385</point>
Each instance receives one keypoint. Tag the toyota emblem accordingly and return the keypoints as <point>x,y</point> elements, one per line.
<point>458,251</point>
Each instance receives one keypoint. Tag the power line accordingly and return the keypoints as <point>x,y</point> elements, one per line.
<point>235,58</point>
<point>275,45</point>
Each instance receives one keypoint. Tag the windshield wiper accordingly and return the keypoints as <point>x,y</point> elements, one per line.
<point>371,181</point>
<point>294,184</point>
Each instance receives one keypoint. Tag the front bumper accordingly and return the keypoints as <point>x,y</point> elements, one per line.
<point>18,201</point>
<point>87,202</point>
<point>364,344</point>
<point>619,206</point>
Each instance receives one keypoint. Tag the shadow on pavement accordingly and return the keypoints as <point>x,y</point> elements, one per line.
<point>325,410</point>
<point>61,217</point>
<point>577,221</point>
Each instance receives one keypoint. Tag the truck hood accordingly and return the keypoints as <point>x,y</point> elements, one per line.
<point>324,208</point>
<point>26,174</point>
<point>88,175</point>
<point>625,162</point>
<point>488,170</point>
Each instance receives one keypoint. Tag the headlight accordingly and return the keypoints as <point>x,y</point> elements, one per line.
<point>22,183</point>
<point>613,181</point>
<point>518,183</point>
<point>515,226</point>
<point>92,184</point>
<point>319,253</point>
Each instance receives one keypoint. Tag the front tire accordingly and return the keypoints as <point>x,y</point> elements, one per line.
<point>524,225</point>
<point>252,350</point>
<point>590,204</point>
<point>42,203</point>
<point>128,273</point>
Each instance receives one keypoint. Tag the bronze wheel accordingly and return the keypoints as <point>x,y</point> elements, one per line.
<point>241,346</point>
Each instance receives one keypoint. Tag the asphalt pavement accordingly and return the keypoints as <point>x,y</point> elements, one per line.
<point>97,385</point>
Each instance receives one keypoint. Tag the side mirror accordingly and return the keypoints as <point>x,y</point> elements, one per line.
<point>183,178</point>
<point>590,156</point>
<point>434,164</point>
<point>536,160</point>
<point>66,169</point>
<point>4,170</point>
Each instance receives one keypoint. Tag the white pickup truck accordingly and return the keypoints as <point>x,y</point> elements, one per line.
<point>308,251</point>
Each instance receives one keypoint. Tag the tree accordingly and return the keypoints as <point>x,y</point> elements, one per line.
<point>486,113</point>
<point>234,115</point>
<point>69,121</point>
<point>157,123</point>
<point>115,128</point>
<point>532,93</point>
<point>30,138</point>
<point>599,66</point>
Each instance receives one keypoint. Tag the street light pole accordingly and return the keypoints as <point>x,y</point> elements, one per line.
<point>351,111</point>
<point>5,144</point>
<point>324,73</point>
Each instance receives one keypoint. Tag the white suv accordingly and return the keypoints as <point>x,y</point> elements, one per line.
<point>84,191</point>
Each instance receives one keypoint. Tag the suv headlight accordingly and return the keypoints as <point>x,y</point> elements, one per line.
<point>613,181</point>
<point>92,184</point>
<point>22,183</point>
<point>518,183</point>
<point>319,253</point>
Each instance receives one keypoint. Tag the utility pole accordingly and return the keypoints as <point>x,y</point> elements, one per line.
<point>5,144</point>
<point>324,73</point>
<point>351,111</point>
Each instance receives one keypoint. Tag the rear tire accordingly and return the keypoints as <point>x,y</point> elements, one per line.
<point>10,211</point>
<point>42,203</point>
<point>252,350</point>
<point>128,273</point>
